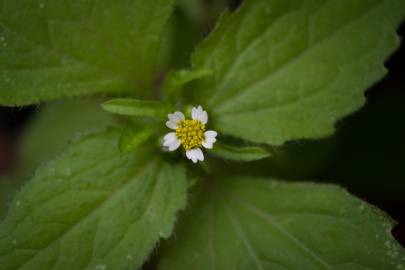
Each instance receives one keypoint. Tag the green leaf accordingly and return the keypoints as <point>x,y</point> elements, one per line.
<point>46,136</point>
<point>8,186</point>
<point>240,153</point>
<point>131,138</point>
<point>135,107</point>
<point>288,70</point>
<point>239,223</point>
<point>53,126</point>
<point>92,208</point>
<point>176,80</point>
<point>57,49</point>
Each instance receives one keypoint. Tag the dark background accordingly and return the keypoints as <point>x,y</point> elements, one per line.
<point>366,155</point>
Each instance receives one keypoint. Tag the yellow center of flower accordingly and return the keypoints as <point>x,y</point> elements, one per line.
<point>190,133</point>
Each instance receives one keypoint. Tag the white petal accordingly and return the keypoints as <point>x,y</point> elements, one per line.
<point>194,112</point>
<point>195,155</point>
<point>176,117</point>
<point>208,145</point>
<point>169,138</point>
<point>171,124</point>
<point>191,155</point>
<point>174,145</point>
<point>210,139</point>
<point>171,142</point>
<point>200,154</point>
<point>210,134</point>
<point>197,113</point>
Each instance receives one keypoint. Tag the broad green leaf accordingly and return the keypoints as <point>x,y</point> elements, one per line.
<point>92,208</point>
<point>45,137</point>
<point>248,223</point>
<point>177,79</point>
<point>287,70</point>
<point>131,138</point>
<point>8,186</point>
<point>53,49</point>
<point>241,153</point>
<point>53,126</point>
<point>135,107</point>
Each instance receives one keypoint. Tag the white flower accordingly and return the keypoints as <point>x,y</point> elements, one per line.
<point>190,133</point>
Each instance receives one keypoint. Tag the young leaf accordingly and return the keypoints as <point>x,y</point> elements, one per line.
<point>54,49</point>
<point>131,138</point>
<point>287,70</point>
<point>245,153</point>
<point>176,80</point>
<point>259,224</point>
<point>92,208</point>
<point>135,107</point>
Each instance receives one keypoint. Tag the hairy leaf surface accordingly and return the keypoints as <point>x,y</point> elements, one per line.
<point>239,153</point>
<point>136,107</point>
<point>53,49</point>
<point>287,70</point>
<point>92,208</point>
<point>248,223</point>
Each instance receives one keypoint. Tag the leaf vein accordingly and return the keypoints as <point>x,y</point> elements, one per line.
<point>244,90</point>
<point>91,213</point>
<point>239,230</point>
<point>269,218</point>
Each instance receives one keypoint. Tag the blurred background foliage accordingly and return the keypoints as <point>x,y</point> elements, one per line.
<point>366,155</point>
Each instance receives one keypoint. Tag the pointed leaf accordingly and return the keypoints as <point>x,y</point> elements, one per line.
<point>286,70</point>
<point>135,107</point>
<point>54,49</point>
<point>240,223</point>
<point>239,153</point>
<point>92,208</point>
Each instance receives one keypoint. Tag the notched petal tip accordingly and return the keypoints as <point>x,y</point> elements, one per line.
<point>171,142</point>
<point>208,145</point>
<point>195,155</point>
<point>198,113</point>
<point>210,134</point>
<point>174,145</point>
<point>171,124</point>
<point>176,116</point>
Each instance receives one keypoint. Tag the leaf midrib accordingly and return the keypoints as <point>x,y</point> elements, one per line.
<point>262,214</point>
<point>138,217</point>
<point>245,241</point>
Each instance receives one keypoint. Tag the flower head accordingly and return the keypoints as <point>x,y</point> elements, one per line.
<point>190,133</point>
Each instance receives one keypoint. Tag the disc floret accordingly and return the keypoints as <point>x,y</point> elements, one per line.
<point>190,133</point>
